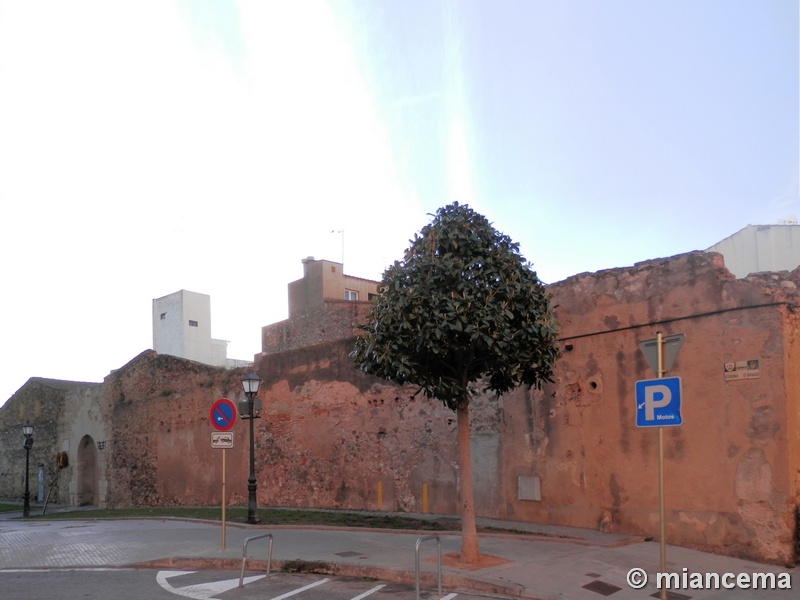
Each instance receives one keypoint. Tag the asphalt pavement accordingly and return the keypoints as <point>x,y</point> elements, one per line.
<point>545,562</point>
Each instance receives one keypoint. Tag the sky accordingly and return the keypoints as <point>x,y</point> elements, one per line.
<point>158,145</point>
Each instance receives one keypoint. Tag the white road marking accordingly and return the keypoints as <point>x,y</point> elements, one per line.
<point>302,589</point>
<point>369,592</point>
<point>200,591</point>
<point>64,570</point>
<point>449,596</point>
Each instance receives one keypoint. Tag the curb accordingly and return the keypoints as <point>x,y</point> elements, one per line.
<point>450,580</point>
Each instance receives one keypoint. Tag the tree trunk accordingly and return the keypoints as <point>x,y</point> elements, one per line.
<point>469,533</point>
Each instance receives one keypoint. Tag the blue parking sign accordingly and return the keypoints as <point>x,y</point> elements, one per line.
<point>658,402</point>
<point>223,414</point>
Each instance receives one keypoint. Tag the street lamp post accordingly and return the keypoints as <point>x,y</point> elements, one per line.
<point>250,383</point>
<point>27,431</point>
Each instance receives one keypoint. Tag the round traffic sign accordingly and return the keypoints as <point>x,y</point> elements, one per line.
<point>223,414</point>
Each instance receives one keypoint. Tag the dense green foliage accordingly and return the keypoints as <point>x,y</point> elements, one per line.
<point>462,307</point>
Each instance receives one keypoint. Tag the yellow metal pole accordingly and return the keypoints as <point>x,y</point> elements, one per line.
<point>425,498</point>
<point>380,495</point>
<point>661,527</point>
<point>223,498</point>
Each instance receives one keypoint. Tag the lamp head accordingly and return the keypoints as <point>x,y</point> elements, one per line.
<point>250,383</point>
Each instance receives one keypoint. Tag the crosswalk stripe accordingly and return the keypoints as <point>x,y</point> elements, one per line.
<point>369,592</point>
<point>302,589</point>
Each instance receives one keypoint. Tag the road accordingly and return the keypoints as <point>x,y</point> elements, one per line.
<point>136,584</point>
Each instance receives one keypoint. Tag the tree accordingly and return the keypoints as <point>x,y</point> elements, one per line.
<point>462,313</point>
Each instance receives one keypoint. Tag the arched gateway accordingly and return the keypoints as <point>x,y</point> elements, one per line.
<point>87,492</point>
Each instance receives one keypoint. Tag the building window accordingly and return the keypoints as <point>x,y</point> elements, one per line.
<point>163,316</point>
<point>350,295</point>
<point>192,323</point>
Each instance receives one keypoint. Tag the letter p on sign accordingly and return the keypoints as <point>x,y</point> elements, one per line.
<point>658,402</point>
<point>655,396</point>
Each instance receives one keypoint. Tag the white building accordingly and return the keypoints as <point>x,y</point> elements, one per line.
<point>759,248</point>
<point>182,327</point>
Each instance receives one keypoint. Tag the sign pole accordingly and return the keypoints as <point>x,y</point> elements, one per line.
<point>658,404</point>
<point>662,541</point>
<point>222,416</point>
<point>224,451</point>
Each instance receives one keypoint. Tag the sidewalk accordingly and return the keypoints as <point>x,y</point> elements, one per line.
<point>554,562</point>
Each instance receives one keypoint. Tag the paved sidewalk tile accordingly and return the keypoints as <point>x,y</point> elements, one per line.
<point>575,566</point>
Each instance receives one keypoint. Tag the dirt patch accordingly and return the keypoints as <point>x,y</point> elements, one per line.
<point>484,561</point>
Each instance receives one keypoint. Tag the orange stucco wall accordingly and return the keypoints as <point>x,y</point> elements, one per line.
<point>731,479</point>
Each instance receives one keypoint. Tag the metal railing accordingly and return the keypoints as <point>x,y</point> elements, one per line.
<point>438,561</point>
<point>244,555</point>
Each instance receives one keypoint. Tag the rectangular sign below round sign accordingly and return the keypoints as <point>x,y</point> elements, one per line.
<point>222,439</point>
<point>658,402</point>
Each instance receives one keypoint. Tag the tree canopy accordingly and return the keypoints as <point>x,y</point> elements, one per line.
<point>462,307</point>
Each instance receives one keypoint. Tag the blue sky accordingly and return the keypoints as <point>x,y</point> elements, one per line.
<point>152,146</point>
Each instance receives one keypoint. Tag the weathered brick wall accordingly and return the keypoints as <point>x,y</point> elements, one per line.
<point>158,407</point>
<point>333,320</point>
<point>327,436</point>
<point>731,472</point>
<point>330,434</point>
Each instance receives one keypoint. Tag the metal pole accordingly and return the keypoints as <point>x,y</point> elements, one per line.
<point>438,562</point>
<point>26,507</point>
<point>661,527</point>
<point>224,501</point>
<point>251,481</point>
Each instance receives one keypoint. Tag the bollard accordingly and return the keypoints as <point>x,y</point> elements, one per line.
<point>438,562</point>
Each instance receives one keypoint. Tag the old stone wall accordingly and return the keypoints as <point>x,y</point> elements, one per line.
<point>41,402</point>
<point>160,444</point>
<point>83,434</point>
<point>731,475</point>
<point>327,436</point>
<point>330,321</point>
<point>330,435</point>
